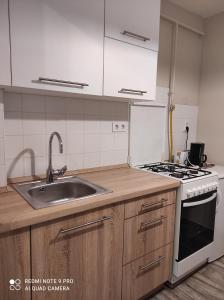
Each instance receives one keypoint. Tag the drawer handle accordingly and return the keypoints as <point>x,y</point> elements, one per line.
<point>152,206</point>
<point>159,221</point>
<point>86,224</point>
<point>57,81</point>
<point>133,92</point>
<point>136,36</point>
<point>152,264</point>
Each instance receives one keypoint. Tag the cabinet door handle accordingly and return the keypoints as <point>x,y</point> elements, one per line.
<point>145,225</point>
<point>133,92</point>
<point>152,206</point>
<point>152,264</point>
<point>135,36</point>
<point>57,81</point>
<point>86,224</point>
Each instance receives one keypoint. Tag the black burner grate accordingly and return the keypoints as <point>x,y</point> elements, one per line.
<point>175,170</point>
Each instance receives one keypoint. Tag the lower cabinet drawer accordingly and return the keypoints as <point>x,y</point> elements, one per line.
<point>149,203</point>
<point>147,273</point>
<point>148,232</point>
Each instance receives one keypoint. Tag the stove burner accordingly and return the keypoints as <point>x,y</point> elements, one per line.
<point>194,172</point>
<point>177,175</point>
<point>171,168</point>
<point>178,171</point>
<point>154,169</point>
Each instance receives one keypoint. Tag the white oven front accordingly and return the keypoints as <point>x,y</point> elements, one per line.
<point>194,232</point>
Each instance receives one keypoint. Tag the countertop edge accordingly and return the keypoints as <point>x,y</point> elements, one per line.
<point>19,224</point>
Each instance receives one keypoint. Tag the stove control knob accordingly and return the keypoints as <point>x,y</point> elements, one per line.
<point>214,186</point>
<point>210,187</point>
<point>200,190</point>
<point>194,192</point>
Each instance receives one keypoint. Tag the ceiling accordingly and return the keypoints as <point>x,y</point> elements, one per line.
<point>203,8</point>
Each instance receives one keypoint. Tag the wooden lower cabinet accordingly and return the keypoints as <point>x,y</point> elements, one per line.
<point>148,232</point>
<point>147,273</point>
<point>14,264</point>
<point>149,203</point>
<point>87,249</point>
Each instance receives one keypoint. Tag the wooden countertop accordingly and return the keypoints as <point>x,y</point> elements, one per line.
<point>126,183</point>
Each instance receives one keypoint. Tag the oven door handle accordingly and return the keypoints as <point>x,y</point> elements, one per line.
<point>190,204</point>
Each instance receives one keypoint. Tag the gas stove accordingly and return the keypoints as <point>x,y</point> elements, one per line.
<point>195,215</point>
<point>181,172</point>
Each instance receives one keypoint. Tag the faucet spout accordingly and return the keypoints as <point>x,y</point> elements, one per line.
<point>50,171</point>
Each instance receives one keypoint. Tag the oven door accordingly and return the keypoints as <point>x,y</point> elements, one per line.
<point>197,223</point>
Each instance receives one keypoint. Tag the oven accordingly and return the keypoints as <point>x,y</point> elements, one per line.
<point>197,223</point>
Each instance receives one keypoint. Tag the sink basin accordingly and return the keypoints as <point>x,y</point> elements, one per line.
<point>39,194</point>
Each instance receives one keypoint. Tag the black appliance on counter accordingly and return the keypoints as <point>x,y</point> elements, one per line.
<point>196,155</point>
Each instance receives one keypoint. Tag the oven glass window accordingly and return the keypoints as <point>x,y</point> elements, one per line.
<point>197,224</point>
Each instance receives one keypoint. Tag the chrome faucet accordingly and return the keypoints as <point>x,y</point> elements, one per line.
<point>51,173</point>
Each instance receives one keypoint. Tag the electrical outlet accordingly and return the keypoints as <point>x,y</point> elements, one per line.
<point>119,126</point>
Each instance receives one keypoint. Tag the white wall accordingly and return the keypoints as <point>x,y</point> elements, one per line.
<point>2,150</point>
<point>183,114</point>
<point>188,58</point>
<point>85,127</point>
<point>211,103</point>
<point>182,15</point>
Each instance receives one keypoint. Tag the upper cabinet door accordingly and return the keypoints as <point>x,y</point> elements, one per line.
<point>58,45</point>
<point>5,72</point>
<point>133,21</point>
<point>129,71</point>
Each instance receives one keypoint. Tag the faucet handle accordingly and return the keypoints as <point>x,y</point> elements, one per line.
<point>62,171</point>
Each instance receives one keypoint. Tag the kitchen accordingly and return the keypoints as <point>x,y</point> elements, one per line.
<point>111,150</point>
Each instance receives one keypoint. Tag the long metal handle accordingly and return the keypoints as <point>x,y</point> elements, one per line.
<point>158,221</point>
<point>133,92</point>
<point>152,264</point>
<point>136,36</point>
<point>190,204</point>
<point>152,206</point>
<point>86,224</point>
<point>80,84</point>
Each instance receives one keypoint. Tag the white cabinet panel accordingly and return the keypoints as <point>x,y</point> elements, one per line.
<point>128,67</point>
<point>60,40</point>
<point>5,73</point>
<point>140,18</point>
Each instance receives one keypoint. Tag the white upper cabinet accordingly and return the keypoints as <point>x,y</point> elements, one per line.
<point>58,45</point>
<point>133,21</point>
<point>5,72</point>
<point>129,71</point>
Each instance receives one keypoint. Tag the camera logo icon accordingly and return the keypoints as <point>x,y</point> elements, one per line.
<point>15,284</point>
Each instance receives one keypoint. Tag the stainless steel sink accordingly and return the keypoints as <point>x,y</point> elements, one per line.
<point>40,194</point>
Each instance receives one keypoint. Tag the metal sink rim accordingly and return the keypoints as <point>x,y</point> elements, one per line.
<point>24,188</point>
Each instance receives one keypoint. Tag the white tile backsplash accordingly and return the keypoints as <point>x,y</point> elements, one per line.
<point>75,142</point>
<point>2,153</point>
<point>85,127</point>
<point>13,146</point>
<point>34,104</point>
<point>91,160</point>
<point>33,123</point>
<point>75,161</point>
<point>35,144</point>
<point>1,121</point>
<point>183,115</point>
<point>92,142</point>
<point>26,122</point>
<point>13,123</point>
<point>2,176</point>
<point>12,102</point>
